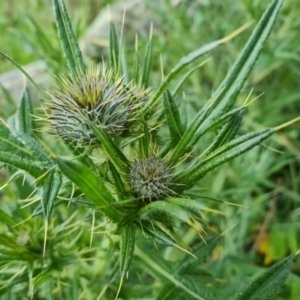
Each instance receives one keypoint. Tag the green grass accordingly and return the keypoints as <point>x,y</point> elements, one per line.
<point>262,221</point>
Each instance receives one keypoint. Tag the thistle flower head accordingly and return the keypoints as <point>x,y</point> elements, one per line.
<point>150,178</point>
<point>97,96</point>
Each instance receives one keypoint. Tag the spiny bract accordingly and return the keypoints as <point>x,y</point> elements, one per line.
<point>97,96</point>
<point>150,178</point>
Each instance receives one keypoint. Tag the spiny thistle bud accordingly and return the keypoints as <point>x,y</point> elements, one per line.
<point>100,98</point>
<point>150,178</point>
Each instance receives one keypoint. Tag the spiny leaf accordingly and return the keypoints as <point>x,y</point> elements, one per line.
<point>182,145</point>
<point>187,203</point>
<point>182,64</point>
<point>16,154</point>
<point>201,251</point>
<point>156,234</point>
<point>113,152</point>
<point>144,142</point>
<point>34,147</point>
<point>50,189</point>
<point>83,201</point>
<point>266,285</point>
<point>183,80</point>
<point>127,243</point>
<point>170,277</point>
<point>173,117</point>
<point>25,112</point>
<point>67,38</point>
<point>230,150</point>
<point>228,132</point>
<point>90,185</point>
<point>232,84</point>
<point>165,207</point>
<point>117,181</point>
<point>170,292</point>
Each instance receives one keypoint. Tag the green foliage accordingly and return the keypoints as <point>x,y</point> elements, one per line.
<point>133,166</point>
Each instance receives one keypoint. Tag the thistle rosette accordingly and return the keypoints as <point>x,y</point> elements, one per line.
<point>97,95</point>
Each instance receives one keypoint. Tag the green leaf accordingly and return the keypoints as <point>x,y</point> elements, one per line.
<point>201,251</point>
<point>228,151</point>
<point>83,201</point>
<point>127,243</point>
<point>136,64</point>
<point>67,38</point>
<point>155,233</point>
<point>117,181</point>
<point>26,157</point>
<point>114,48</point>
<point>165,207</point>
<point>50,189</point>
<point>34,147</point>
<point>25,113</point>
<point>180,66</point>
<point>9,101</point>
<point>113,152</point>
<point>267,285</point>
<point>93,188</point>
<point>168,276</point>
<point>187,203</point>
<point>182,145</point>
<point>5,218</point>
<point>224,97</point>
<point>183,79</point>
<point>198,195</point>
<point>147,63</point>
<point>144,141</point>
<point>44,40</point>
<point>228,132</point>
<point>192,132</point>
<point>173,117</point>
<point>170,292</point>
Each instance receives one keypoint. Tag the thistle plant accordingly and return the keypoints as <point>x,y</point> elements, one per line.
<point>141,183</point>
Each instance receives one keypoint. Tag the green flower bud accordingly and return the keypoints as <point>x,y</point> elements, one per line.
<point>150,178</point>
<point>95,96</point>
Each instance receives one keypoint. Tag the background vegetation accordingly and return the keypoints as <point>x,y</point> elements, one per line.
<point>264,182</point>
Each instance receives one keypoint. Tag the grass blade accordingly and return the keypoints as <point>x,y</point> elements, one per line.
<point>114,49</point>
<point>147,62</point>
<point>25,73</point>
